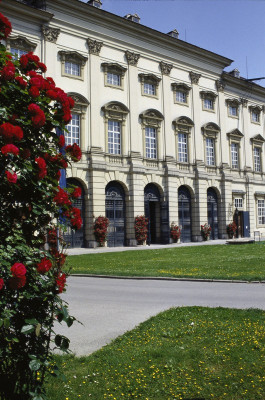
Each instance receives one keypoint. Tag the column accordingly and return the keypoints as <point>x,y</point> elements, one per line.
<point>196,112</point>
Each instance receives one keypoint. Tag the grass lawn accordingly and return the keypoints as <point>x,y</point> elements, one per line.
<point>220,262</point>
<point>183,353</point>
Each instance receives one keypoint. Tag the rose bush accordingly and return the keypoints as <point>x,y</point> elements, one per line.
<point>32,202</point>
<point>141,228</point>
<point>101,229</point>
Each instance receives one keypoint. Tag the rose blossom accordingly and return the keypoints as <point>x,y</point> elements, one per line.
<point>60,281</point>
<point>18,270</point>
<point>17,283</point>
<point>10,149</point>
<point>44,266</point>
<point>1,283</point>
<point>12,178</point>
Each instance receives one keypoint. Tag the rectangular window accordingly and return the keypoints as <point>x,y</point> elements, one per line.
<point>257,159</point>
<point>208,104</point>
<point>254,116</point>
<point>73,134</point>
<point>71,68</point>
<point>238,203</point>
<point>113,79</point>
<point>234,155</point>
<point>150,89</point>
<point>182,147</point>
<point>261,212</point>
<point>114,137</point>
<point>150,142</point>
<point>181,97</point>
<point>210,157</point>
<point>233,111</point>
<point>17,53</point>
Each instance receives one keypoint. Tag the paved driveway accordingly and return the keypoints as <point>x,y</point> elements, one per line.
<point>109,307</point>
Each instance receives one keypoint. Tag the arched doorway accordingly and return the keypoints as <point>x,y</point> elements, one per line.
<point>72,237</point>
<point>212,211</point>
<point>184,205</point>
<point>152,212</point>
<point>115,212</point>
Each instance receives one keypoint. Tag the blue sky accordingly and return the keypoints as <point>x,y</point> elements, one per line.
<point>232,28</point>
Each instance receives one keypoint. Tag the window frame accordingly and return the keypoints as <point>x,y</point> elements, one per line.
<point>238,200</point>
<point>151,118</point>
<point>150,79</point>
<point>69,128</point>
<point>233,103</point>
<point>113,69</point>
<point>181,88</point>
<point>113,131</point>
<point>150,143</point>
<point>235,137</point>
<point>208,96</point>
<point>257,143</point>
<point>183,125</point>
<point>21,43</point>
<point>255,110</point>
<point>80,108</point>
<point>260,216</point>
<point>211,131</point>
<point>74,58</point>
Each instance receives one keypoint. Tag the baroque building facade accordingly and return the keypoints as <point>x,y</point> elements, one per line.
<point>163,129</point>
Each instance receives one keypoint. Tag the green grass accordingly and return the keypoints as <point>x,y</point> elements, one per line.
<point>183,353</point>
<point>212,262</point>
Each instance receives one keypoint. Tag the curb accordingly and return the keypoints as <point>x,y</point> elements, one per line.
<point>150,278</point>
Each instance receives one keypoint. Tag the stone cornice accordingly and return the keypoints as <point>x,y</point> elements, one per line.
<point>50,34</point>
<point>132,58</point>
<point>242,84</point>
<point>85,12</point>
<point>11,7</point>
<point>94,46</point>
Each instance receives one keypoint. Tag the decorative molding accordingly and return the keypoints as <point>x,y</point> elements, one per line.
<point>149,78</point>
<point>165,68</point>
<point>115,110</point>
<point>50,34</point>
<point>78,99</point>
<point>151,117</point>
<point>72,56</point>
<point>114,67</point>
<point>220,85</point>
<point>183,123</point>
<point>244,102</point>
<point>256,109</point>
<point>257,139</point>
<point>210,129</point>
<point>194,77</point>
<point>20,42</point>
<point>180,87</point>
<point>233,102</point>
<point>207,94</point>
<point>94,46</point>
<point>235,134</point>
<point>132,58</point>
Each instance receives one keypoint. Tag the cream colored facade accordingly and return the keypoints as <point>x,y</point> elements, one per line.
<point>184,127</point>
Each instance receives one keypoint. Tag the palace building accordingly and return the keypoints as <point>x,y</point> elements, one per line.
<point>163,129</point>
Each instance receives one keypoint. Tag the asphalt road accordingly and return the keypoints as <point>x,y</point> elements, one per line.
<point>109,307</point>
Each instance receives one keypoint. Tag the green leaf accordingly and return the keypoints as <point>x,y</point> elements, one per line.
<point>27,329</point>
<point>32,321</point>
<point>34,365</point>
<point>58,340</point>
<point>6,323</point>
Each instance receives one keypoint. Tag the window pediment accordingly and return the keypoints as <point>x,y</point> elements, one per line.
<point>180,87</point>
<point>233,102</point>
<point>21,42</point>
<point>152,117</point>
<point>258,139</point>
<point>255,109</point>
<point>210,129</point>
<point>183,123</point>
<point>207,94</point>
<point>150,78</point>
<point>72,56</point>
<point>114,67</point>
<point>79,99</point>
<point>235,134</point>
<point>115,110</point>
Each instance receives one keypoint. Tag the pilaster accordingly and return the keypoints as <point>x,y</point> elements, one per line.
<point>196,112</point>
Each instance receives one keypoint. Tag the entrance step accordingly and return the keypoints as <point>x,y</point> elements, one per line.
<point>240,241</point>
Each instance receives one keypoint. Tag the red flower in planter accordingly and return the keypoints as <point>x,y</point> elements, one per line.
<point>141,228</point>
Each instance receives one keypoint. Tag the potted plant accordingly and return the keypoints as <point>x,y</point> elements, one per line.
<point>175,232</point>
<point>206,231</point>
<point>141,229</point>
<point>231,229</point>
<point>101,230</point>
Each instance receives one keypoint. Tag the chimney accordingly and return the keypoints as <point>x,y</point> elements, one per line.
<point>235,73</point>
<point>174,34</point>
<point>95,3</point>
<point>133,17</point>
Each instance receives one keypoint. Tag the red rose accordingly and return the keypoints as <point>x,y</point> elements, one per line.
<point>77,192</point>
<point>61,141</point>
<point>44,266</point>
<point>9,132</point>
<point>52,94</point>
<point>38,117</point>
<point>12,178</point>
<point>34,91</point>
<point>60,281</point>
<point>17,283</point>
<point>42,67</point>
<point>10,149</point>
<point>74,151</point>
<point>75,218</point>
<point>18,270</point>
<point>61,198</point>
<point>22,83</point>
<point>29,61</point>
<point>8,72</point>
<point>5,27</point>
<point>2,283</point>
<point>17,133</point>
